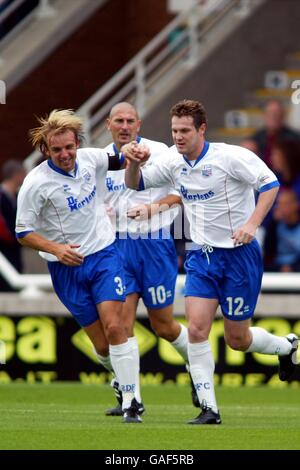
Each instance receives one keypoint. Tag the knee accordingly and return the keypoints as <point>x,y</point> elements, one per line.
<point>237,342</point>
<point>113,332</point>
<point>129,329</point>
<point>101,349</point>
<point>197,334</point>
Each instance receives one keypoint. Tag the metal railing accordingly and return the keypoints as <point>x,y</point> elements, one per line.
<point>175,47</point>
<point>42,10</point>
<point>178,48</point>
<point>33,285</point>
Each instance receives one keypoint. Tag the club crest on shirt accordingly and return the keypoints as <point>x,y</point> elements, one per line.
<point>206,170</point>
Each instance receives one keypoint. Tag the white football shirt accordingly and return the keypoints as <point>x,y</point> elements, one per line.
<point>64,208</point>
<point>216,189</point>
<point>120,198</point>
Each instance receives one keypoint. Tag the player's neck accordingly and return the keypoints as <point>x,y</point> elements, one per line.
<point>195,154</point>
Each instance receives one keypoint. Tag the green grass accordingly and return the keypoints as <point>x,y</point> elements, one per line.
<point>71,416</point>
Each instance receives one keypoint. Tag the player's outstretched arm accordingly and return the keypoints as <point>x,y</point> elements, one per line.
<point>145,211</point>
<point>133,175</point>
<point>136,155</point>
<point>66,254</point>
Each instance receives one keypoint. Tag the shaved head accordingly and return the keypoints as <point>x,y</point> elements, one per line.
<point>123,107</point>
<point>123,123</point>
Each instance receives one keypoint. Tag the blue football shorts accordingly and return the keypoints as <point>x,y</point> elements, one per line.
<point>233,276</point>
<point>98,279</point>
<point>151,267</point>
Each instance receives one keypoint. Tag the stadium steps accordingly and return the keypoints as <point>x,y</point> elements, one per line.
<point>241,123</point>
<point>38,35</point>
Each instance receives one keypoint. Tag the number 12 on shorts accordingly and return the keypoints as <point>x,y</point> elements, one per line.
<point>235,305</point>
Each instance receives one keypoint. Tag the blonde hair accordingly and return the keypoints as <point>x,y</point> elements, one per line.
<point>57,122</point>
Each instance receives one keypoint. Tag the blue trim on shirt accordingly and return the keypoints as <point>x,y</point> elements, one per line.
<point>269,186</point>
<point>141,183</point>
<point>202,154</point>
<point>62,172</point>
<point>121,158</point>
<point>138,139</point>
<point>23,234</point>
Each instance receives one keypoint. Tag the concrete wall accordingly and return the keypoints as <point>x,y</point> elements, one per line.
<point>237,66</point>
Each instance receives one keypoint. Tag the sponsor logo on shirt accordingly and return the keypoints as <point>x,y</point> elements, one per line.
<point>114,187</point>
<point>66,188</point>
<point>195,197</point>
<point>206,171</point>
<point>74,205</point>
<point>183,171</point>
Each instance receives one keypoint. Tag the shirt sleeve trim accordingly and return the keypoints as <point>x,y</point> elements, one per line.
<point>141,184</point>
<point>23,234</point>
<point>269,186</point>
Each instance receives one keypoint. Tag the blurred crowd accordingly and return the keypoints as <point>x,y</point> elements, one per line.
<point>13,174</point>
<point>279,147</point>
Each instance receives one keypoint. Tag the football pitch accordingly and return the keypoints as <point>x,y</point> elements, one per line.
<point>71,416</point>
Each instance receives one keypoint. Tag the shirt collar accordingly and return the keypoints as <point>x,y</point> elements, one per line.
<point>202,154</point>
<point>62,172</point>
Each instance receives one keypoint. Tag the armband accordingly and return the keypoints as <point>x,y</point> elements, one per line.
<point>115,162</point>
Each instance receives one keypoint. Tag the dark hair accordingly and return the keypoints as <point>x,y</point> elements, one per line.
<point>190,108</point>
<point>291,152</point>
<point>10,168</point>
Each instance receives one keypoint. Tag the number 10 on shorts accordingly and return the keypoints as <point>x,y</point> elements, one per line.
<point>158,294</point>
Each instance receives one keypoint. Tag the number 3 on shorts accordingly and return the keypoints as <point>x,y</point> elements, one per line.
<point>120,287</point>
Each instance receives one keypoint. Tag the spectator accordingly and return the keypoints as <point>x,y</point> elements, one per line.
<point>13,174</point>
<point>250,145</point>
<point>274,131</point>
<point>282,242</point>
<point>285,161</point>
